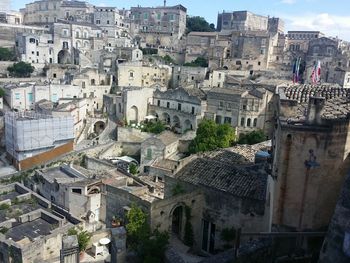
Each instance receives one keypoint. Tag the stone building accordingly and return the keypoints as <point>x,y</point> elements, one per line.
<point>184,76</point>
<point>299,40</point>
<point>159,24</point>
<point>36,49</point>
<point>334,56</point>
<point>76,108</point>
<point>32,139</point>
<point>93,84</point>
<point>250,50</point>
<point>246,109</point>
<point>131,104</point>
<point>246,21</point>
<point>23,96</point>
<point>160,147</point>
<point>200,44</point>
<point>181,108</point>
<point>45,12</point>
<point>71,190</point>
<point>136,74</point>
<point>35,227</point>
<point>68,42</point>
<point>310,155</point>
<point>221,190</point>
<point>113,25</point>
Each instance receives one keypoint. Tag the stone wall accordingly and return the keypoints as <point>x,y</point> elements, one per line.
<point>310,163</point>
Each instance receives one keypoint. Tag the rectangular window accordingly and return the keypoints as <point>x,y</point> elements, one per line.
<point>159,16</point>
<point>17,96</point>
<point>179,106</point>
<point>76,190</point>
<point>192,110</point>
<point>30,97</point>
<point>149,154</point>
<point>168,104</point>
<point>227,120</point>
<point>145,15</point>
<point>158,103</point>
<point>54,97</point>
<point>221,104</point>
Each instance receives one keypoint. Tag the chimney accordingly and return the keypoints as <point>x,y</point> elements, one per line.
<point>164,3</point>
<point>314,110</point>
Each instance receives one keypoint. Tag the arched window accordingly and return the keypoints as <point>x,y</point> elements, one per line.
<point>255,122</point>
<point>242,122</point>
<point>248,122</point>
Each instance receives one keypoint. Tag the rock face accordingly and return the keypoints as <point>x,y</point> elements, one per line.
<point>336,247</point>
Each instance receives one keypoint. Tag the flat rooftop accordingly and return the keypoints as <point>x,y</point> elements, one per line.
<point>32,230</point>
<point>61,173</point>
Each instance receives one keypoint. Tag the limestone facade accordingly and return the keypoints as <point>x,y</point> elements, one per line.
<point>182,108</point>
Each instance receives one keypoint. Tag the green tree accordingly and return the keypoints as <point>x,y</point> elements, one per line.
<point>211,136</point>
<point>2,93</point>
<point>253,137</point>
<point>133,168</point>
<point>83,238</point>
<point>168,60</point>
<point>21,69</point>
<point>137,227</point>
<point>6,54</point>
<point>198,62</point>
<point>154,127</point>
<point>198,24</point>
<point>150,246</point>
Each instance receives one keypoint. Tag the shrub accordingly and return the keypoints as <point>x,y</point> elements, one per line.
<point>211,136</point>
<point>21,69</point>
<point>4,206</point>
<point>253,137</point>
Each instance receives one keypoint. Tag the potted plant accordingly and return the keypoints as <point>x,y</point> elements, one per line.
<point>83,241</point>
<point>116,221</point>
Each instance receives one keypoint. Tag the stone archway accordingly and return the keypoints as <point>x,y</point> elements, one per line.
<point>176,122</point>
<point>99,127</point>
<point>188,125</point>
<point>63,57</point>
<point>166,118</point>
<point>133,114</point>
<point>177,216</point>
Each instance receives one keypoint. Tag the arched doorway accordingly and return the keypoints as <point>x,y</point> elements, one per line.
<point>166,118</point>
<point>99,127</point>
<point>176,122</point>
<point>176,221</point>
<point>63,57</point>
<point>133,115</point>
<point>188,125</point>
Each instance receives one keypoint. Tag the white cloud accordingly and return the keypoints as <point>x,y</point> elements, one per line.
<point>288,2</point>
<point>331,25</point>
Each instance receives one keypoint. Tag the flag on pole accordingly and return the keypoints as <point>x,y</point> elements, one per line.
<point>294,69</point>
<point>316,73</point>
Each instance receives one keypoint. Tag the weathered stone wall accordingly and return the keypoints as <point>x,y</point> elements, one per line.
<point>310,163</point>
<point>336,247</point>
<point>115,201</point>
<point>162,213</point>
<point>222,209</point>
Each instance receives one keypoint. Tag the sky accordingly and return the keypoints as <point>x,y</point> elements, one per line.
<point>331,17</point>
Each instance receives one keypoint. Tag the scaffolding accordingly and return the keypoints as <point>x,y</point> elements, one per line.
<point>29,133</point>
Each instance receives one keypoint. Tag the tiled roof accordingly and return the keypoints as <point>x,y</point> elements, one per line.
<point>229,172</point>
<point>302,93</point>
